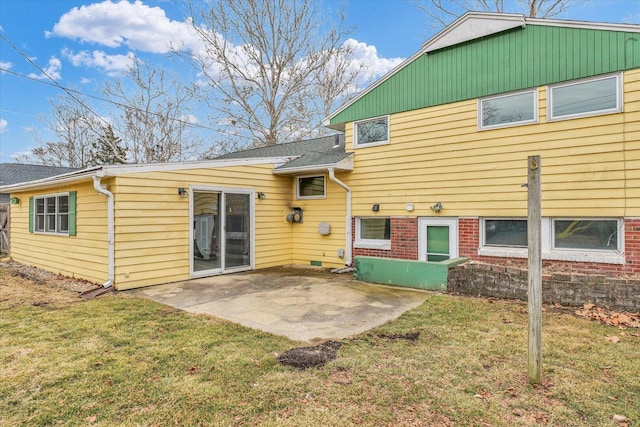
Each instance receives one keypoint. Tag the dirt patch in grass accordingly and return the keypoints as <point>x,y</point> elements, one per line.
<point>25,285</point>
<point>310,357</point>
<point>409,336</point>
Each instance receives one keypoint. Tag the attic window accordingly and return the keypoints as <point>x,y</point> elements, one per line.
<point>508,110</point>
<point>371,132</point>
<point>587,97</point>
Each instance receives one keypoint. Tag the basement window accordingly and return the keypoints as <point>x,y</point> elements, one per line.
<point>505,232</point>
<point>597,240</point>
<point>373,233</point>
<point>586,234</point>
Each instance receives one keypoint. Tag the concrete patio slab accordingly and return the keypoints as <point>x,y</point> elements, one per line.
<point>301,304</point>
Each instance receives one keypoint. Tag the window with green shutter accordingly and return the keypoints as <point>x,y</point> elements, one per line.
<point>53,214</point>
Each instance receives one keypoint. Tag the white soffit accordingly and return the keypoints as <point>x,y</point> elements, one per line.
<point>471,26</point>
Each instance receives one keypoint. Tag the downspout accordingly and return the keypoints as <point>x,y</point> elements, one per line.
<point>348,244</point>
<point>110,230</point>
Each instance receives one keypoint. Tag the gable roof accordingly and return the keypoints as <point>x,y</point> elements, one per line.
<point>306,155</point>
<point>489,53</point>
<point>14,173</point>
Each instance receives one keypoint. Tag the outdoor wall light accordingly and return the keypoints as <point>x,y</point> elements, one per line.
<point>183,192</point>
<point>437,207</point>
<point>375,207</point>
<point>261,195</point>
<point>14,201</point>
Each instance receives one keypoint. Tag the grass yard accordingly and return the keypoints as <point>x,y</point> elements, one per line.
<point>119,360</point>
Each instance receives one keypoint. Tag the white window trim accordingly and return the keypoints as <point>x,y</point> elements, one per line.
<point>512,124</point>
<point>35,215</point>
<point>451,222</point>
<point>371,144</point>
<point>380,244</point>
<point>619,98</point>
<point>550,253</point>
<point>324,181</point>
<point>500,251</point>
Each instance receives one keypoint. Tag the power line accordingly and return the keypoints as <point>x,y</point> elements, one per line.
<point>72,92</point>
<point>55,83</point>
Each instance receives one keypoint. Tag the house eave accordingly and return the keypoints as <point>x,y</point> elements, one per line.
<point>471,26</point>
<point>344,165</point>
<point>72,177</point>
<point>116,170</point>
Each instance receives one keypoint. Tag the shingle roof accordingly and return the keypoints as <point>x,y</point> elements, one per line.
<point>306,154</point>
<point>14,173</point>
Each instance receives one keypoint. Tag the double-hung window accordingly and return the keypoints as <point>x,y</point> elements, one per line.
<point>508,110</point>
<point>373,233</point>
<point>371,132</point>
<point>587,97</point>
<point>53,214</point>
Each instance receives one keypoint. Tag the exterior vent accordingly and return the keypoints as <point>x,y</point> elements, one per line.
<point>324,228</point>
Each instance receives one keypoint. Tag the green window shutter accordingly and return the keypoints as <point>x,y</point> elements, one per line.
<point>31,203</point>
<point>72,213</point>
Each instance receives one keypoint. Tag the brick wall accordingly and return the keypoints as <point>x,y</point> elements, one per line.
<point>469,242</point>
<point>563,288</point>
<point>404,240</point>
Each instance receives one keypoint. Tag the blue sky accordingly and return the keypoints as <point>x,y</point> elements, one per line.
<point>82,47</point>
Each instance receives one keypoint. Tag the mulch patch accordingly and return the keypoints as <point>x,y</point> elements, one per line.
<point>310,357</point>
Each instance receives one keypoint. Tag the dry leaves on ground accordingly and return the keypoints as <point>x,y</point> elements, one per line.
<point>610,317</point>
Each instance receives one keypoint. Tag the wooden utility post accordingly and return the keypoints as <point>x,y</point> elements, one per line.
<point>534,196</point>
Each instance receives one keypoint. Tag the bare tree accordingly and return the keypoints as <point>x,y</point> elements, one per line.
<point>274,68</point>
<point>443,12</point>
<point>153,115</point>
<point>73,128</point>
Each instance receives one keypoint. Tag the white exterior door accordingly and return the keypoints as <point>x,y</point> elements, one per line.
<point>437,238</point>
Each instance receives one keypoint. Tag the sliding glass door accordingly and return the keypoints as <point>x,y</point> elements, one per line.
<point>221,231</point>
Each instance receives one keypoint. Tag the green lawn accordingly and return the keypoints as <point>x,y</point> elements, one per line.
<point>118,360</point>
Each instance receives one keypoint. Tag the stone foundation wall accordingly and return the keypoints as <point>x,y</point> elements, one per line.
<point>567,289</point>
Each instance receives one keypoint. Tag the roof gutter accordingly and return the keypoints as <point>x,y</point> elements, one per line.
<point>348,228</point>
<point>110,230</point>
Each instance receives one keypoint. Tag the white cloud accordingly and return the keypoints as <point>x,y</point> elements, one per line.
<point>116,24</point>
<point>189,118</point>
<point>3,125</point>
<point>6,65</point>
<point>85,80</point>
<point>51,71</point>
<point>372,66</point>
<point>112,64</point>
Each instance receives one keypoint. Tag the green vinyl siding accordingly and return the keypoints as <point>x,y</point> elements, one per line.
<point>512,60</point>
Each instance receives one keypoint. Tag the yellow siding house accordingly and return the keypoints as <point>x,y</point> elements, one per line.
<point>130,226</point>
<point>428,165</point>
<point>440,146</point>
